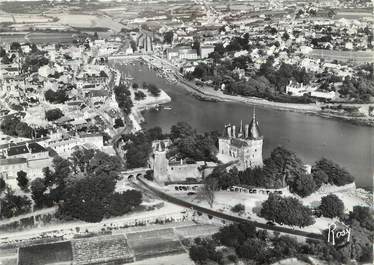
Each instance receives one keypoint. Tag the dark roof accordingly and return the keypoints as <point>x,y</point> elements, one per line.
<point>17,150</point>
<point>36,148</point>
<point>97,93</point>
<point>238,143</point>
<point>254,130</point>
<point>12,161</point>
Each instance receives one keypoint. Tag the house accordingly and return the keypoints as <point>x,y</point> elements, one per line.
<point>206,50</point>
<point>10,166</point>
<point>65,146</point>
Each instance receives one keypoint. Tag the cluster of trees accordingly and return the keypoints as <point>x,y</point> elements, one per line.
<point>326,171</point>
<point>5,59</point>
<point>152,88</point>
<point>84,187</point>
<point>58,97</point>
<point>286,210</point>
<point>123,98</point>
<point>11,204</point>
<point>139,95</point>
<point>203,250</point>
<point>12,125</point>
<point>269,82</point>
<point>33,61</point>
<point>53,114</point>
<point>361,88</point>
<point>188,144</point>
<point>258,247</point>
<point>139,146</point>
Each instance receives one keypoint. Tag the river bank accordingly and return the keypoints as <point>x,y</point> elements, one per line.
<point>209,94</point>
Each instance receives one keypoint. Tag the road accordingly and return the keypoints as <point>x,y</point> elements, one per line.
<point>227,217</point>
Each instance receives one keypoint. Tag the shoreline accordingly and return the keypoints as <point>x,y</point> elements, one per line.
<point>211,95</point>
<point>311,109</point>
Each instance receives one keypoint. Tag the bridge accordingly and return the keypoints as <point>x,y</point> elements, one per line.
<point>134,173</point>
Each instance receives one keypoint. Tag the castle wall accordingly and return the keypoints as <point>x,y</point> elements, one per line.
<point>160,167</point>
<point>249,155</point>
<point>182,172</point>
<point>224,146</point>
<point>253,154</point>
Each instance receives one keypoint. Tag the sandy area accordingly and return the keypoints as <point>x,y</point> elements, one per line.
<point>167,260</point>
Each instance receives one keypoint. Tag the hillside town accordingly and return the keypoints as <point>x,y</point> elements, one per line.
<point>200,132</point>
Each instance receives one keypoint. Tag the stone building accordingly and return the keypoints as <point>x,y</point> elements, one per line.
<point>166,171</point>
<point>243,144</point>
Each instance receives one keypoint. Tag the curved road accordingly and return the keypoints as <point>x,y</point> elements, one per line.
<point>228,217</point>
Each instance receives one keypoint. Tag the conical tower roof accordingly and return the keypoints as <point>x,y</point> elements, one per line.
<point>254,130</point>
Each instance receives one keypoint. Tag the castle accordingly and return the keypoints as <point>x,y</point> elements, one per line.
<point>244,145</point>
<point>172,171</point>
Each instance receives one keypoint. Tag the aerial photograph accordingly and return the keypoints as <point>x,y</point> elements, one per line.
<point>186,132</point>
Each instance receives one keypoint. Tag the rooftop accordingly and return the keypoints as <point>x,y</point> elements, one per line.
<point>12,161</point>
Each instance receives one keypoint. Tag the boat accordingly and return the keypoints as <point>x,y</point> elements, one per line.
<point>167,108</point>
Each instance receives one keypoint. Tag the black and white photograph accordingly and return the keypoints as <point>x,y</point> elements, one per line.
<point>186,132</point>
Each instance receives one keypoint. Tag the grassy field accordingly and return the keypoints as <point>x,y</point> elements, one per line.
<point>155,243</point>
<point>44,254</point>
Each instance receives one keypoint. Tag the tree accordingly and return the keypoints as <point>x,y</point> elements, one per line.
<point>154,90</point>
<point>118,123</point>
<point>168,37</point>
<point>103,164</point>
<point>135,86</point>
<point>2,185</point>
<point>38,189</point>
<point>336,174</point>
<point>363,215</point>
<point>285,247</point>
<point>235,234</point>
<point>139,95</point>
<point>53,114</point>
<point>181,130</point>
<point>15,46</point>
<point>123,98</point>
<point>23,130</point>
<point>208,190</point>
<point>23,181</point>
<point>320,177</point>
<point>198,254</point>
<point>283,165</point>
<point>84,199</point>
<point>286,210</point>
<point>304,185</point>
<point>253,248</point>
<point>81,159</point>
<point>238,208</point>
<point>121,203</point>
<point>13,205</point>
<point>331,206</point>
<point>58,97</point>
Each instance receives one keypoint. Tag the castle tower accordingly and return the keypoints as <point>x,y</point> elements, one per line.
<point>252,156</point>
<point>160,164</point>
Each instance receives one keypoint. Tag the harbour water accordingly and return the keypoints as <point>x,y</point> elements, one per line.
<point>310,136</point>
